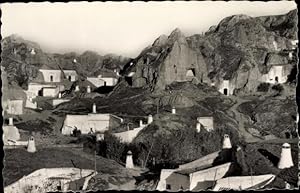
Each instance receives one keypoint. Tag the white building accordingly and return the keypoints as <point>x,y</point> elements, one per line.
<point>103,80</point>
<point>50,91</point>
<point>226,87</point>
<point>277,74</point>
<point>129,136</point>
<point>71,75</point>
<point>36,89</point>
<point>51,75</point>
<point>15,107</point>
<point>10,133</point>
<point>207,123</point>
<point>91,122</point>
<point>58,101</point>
<point>50,180</point>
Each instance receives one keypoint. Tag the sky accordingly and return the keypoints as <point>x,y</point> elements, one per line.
<point>123,28</point>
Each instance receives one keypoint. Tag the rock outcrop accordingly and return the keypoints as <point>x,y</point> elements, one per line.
<point>239,49</point>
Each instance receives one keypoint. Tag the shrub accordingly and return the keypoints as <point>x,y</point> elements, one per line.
<point>263,87</point>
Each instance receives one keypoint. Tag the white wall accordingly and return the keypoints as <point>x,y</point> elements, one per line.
<point>275,71</point>
<point>40,181</point>
<point>243,182</point>
<point>15,107</point>
<point>71,73</point>
<point>50,92</point>
<point>206,160</point>
<point>128,136</point>
<point>210,174</point>
<point>56,102</point>
<point>98,122</point>
<point>96,81</point>
<point>207,122</point>
<point>226,84</point>
<point>164,174</point>
<point>110,81</point>
<point>10,133</point>
<point>56,74</point>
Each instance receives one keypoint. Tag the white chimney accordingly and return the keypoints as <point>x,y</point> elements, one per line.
<point>99,136</point>
<point>173,110</point>
<point>287,185</point>
<point>59,95</point>
<point>150,119</point>
<point>74,60</point>
<point>198,127</point>
<point>88,89</point>
<point>285,157</point>
<point>32,52</point>
<point>10,121</point>
<point>129,161</point>
<point>297,118</point>
<point>141,123</point>
<point>77,88</point>
<point>94,108</point>
<point>290,55</point>
<point>31,145</point>
<point>226,142</point>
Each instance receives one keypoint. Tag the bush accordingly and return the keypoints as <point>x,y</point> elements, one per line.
<point>113,148</point>
<point>278,88</point>
<point>263,87</point>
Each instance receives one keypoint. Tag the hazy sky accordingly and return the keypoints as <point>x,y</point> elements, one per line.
<point>120,27</point>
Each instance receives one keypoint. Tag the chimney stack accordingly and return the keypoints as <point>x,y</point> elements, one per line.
<point>94,108</point>
<point>88,89</point>
<point>10,121</point>
<point>59,95</point>
<point>198,127</point>
<point>226,142</point>
<point>141,123</point>
<point>77,88</point>
<point>285,157</point>
<point>129,161</point>
<point>150,119</point>
<point>173,110</point>
<point>99,136</point>
<point>31,145</point>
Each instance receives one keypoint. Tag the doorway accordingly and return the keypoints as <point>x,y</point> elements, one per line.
<point>51,78</point>
<point>276,79</point>
<point>225,91</point>
<point>70,78</point>
<point>128,80</point>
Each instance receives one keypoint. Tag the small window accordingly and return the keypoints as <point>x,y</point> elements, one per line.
<point>168,187</point>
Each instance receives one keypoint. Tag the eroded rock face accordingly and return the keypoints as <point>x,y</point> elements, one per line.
<point>241,49</point>
<point>169,59</point>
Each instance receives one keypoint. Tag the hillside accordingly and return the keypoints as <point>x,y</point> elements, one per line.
<point>22,59</point>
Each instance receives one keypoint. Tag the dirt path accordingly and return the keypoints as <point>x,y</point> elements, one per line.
<point>240,118</point>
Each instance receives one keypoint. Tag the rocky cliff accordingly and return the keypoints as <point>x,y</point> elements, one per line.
<point>239,49</point>
<point>22,59</point>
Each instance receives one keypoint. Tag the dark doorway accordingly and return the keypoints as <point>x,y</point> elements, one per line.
<point>58,187</point>
<point>276,78</point>
<point>51,78</point>
<point>69,77</point>
<point>129,80</point>
<point>225,91</point>
<point>104,83</point>
<point>40,92</point>
<point>168,187</point>
<point>287,135</point>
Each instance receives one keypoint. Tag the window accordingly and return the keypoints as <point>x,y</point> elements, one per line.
<point>168,186</point>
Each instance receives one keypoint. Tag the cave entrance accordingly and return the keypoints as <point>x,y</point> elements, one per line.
<point>128,80</point>
<point>276,79</point>
<point>225,91</point>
